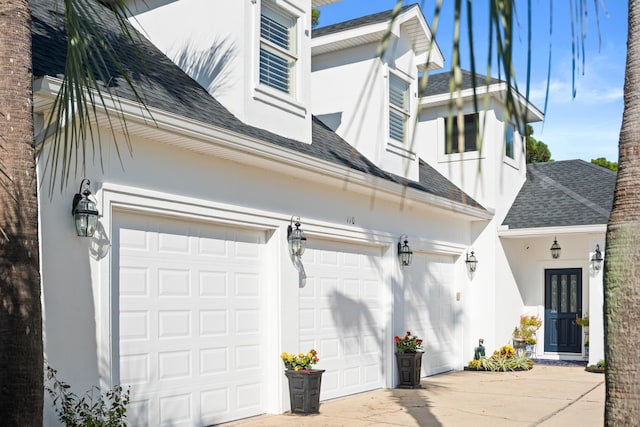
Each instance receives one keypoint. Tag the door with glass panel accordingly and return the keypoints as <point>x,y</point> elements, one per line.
<point>563,302</point>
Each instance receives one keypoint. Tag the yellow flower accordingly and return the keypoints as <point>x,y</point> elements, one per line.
<point>290,357</point>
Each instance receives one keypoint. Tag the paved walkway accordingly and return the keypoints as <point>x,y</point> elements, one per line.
<point>544,396</point>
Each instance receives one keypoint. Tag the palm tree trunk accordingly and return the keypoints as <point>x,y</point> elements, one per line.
<point>21,359</point>
<point>622,265</point>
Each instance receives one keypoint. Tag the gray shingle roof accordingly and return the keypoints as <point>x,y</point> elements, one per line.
<point>363,21</point>
<point>165,86</point>
<point>439,83</point>
<point>564,193</point>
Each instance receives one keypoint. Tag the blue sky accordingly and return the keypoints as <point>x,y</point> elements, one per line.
<point>584,127</point>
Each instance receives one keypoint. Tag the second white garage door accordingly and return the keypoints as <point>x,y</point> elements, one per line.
<point>191,320</point>
<point>430,310</point>
<point>341,316</point>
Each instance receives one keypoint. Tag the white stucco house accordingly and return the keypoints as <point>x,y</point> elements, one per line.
<point>187,291</point>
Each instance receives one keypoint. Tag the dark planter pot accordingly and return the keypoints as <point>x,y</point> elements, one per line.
<point>409,367</point>
<point>304,390</point>
<point>519,346</point>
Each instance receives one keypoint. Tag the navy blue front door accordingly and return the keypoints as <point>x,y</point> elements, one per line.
<point>563,302</point>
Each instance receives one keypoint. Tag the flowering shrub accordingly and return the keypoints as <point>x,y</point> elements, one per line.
<point>503,359</point>
<point>475,364</point>
<point>530,322</point>
<point>582,321</point>
<point>506,351</point>
<point>300,361</point>
<point>408,344</point>
<point>529,325</point>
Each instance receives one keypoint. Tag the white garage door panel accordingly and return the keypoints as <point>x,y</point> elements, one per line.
<point>190,320</point>
<point>430,311</point>
<point>340,316</point>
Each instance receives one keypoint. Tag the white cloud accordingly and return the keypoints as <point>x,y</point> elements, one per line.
<point>601,82</point>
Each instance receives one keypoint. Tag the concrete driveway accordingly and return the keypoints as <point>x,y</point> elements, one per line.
<point>544,396</point>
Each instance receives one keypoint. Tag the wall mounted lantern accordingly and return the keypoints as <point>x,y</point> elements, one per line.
<point>597,259</point>
<point>555,249</point>
<point>84,211</point>
<point>296,238</point>
<point>472,262</point>
<point>405,254</point>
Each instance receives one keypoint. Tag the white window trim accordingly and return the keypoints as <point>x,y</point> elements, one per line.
<point>406,113</point>
<point>264,93</point>
<point>287,11</point>
<point>517,146</point>
<point>457,157</point>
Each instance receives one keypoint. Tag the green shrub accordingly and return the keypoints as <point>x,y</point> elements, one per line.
<point>94,409</point>
<point>503,360</point>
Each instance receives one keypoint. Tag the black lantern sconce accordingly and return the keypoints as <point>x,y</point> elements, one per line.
<point>472,262</point>
<point>555,249</point>
<point>405,254</point>
<point>84,211</point>
<point>296,238</point>
<point>597,259</point>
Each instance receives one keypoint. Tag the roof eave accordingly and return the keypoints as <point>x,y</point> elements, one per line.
<point>197,136</point>
<point>506,232</point>
<point>498,90</point>
<point>320,3</point>
<point>411,21</point>
<point>349,38</point>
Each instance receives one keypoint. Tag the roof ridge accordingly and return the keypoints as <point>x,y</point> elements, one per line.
<point>370,19</point>
<point>568,191</point>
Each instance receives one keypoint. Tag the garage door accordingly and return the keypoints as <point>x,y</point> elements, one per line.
<point>341,316</point>
<point>429,310</point>
<point>190,323</point>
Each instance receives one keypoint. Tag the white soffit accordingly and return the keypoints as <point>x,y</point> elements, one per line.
<point>348,38</point>
<point>319,3</point>
<point>497,90</point>
<point>412,22</point>
<point>551,231</point>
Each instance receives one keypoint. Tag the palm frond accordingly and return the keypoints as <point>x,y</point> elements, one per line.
<point>92,63</point>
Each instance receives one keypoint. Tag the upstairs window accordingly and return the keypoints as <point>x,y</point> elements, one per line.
<point>471,128</point>
<point>398,108</point>
<point>509,141</point>
<point>278,50</point>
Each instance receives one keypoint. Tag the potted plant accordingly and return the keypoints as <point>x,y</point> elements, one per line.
<point>304,382</point>
<point>409,359</point>
<point>583,322</point>
<point>524,335</point>
<point>586,349</point>
<point>518,338</point>
<point>530,345</point>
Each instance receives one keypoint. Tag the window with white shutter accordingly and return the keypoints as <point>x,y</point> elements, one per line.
<point>278,49</point>
<point>398,108</point>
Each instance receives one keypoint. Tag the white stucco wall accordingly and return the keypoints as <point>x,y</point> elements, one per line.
<point>527,257</point>
<point>488,176</point>
<point>350,94</point>
<point>348,89</point>
<point>158,178</point>
<point>219,47</point>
